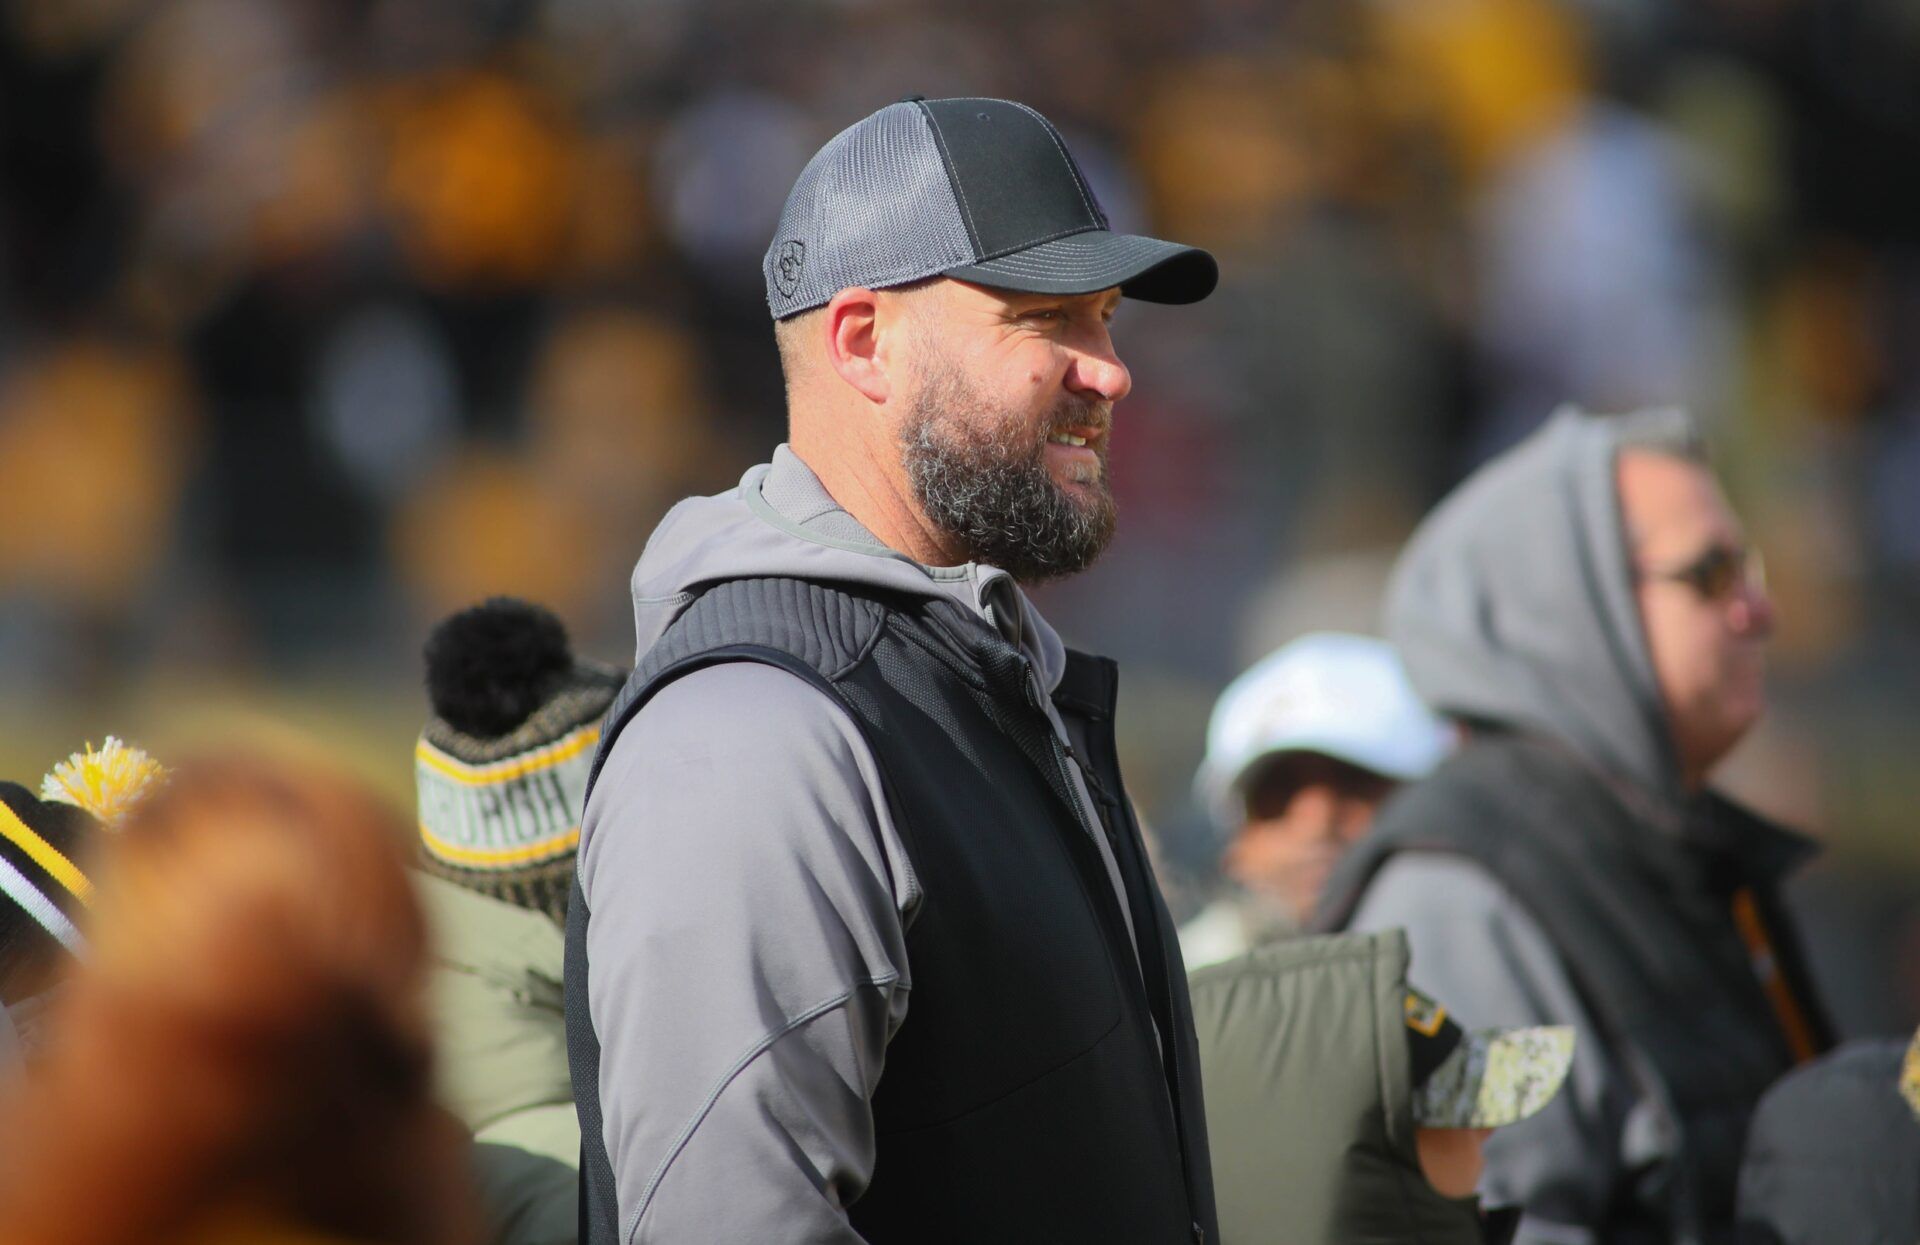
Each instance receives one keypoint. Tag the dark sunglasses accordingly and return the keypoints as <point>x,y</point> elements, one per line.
<point>1718,573</point>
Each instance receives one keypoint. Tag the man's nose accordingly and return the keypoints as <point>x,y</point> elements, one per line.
<point>1753,613</point>
<point>1097,371</point>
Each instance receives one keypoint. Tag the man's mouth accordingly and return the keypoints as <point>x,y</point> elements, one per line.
<point>1066,438</point>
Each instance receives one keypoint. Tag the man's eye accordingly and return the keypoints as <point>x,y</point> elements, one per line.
<point>1043,313</point>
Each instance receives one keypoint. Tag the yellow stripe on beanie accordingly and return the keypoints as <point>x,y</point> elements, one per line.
<point>558,752</point>
<point>44,854</point>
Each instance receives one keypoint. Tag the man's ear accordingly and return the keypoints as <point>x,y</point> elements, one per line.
<point>856,346</point>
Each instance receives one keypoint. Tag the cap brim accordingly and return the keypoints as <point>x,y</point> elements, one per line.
<point>1084,263</point>
<point>1496,1077</point>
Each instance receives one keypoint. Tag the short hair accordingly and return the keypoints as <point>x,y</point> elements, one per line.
<point>789,337</point>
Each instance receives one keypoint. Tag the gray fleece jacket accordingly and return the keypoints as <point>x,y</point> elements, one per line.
<point>1513,604</point>
<point>747,937</point>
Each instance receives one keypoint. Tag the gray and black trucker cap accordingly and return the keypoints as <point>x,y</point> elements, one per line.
<point>980,189</point>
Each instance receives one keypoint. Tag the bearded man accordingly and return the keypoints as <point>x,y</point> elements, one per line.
<point>864,945</point>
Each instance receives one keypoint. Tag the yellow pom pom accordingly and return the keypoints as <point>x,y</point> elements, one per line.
<point>105,783</point>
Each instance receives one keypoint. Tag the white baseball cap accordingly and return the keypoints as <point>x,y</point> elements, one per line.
<point>1342,696</point>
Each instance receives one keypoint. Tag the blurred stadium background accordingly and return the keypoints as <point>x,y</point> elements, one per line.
<point>320,318</point>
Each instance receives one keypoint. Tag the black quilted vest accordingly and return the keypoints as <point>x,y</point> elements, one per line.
<point>1642,918</point>
<point>1025,1098</point>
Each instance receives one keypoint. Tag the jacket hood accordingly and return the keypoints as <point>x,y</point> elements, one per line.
<point>781,522</point>
<point>1513,604</point>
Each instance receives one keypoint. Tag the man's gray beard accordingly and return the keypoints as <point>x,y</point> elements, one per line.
<point>980,476</point>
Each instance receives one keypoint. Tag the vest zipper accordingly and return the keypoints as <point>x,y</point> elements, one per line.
<point>1062,757</point>
<point>1094,789</point>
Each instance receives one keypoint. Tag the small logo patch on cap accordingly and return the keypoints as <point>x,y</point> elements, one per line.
<point>793,257</point>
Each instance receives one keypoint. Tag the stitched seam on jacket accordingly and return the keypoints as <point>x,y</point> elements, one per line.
<point>859,657</point>
<point>894,809</point>
<point>758,1049</point>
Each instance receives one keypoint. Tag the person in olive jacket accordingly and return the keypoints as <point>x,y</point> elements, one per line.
<point>1347,1108</point>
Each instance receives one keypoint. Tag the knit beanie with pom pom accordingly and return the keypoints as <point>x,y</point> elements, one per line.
<point>502,765</point>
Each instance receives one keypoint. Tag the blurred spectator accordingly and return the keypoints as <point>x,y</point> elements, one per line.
<point>501,773</point>
<point>480,177</point>
<point>48,843</point>
<point>45,891</point>
<point>720,166</point>
<point>95,440</point>
<point>487,521</point>
<point>245,1056</point>
<point>1587,607</point>
<point>1221,165</point>
<point>1301,751</point>
<point>620,426</point>
<point>1498,73</point>
<point>386,398</point>
<point>1592,289</point>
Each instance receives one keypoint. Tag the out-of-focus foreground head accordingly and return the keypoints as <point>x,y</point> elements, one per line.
<point>246,1050</point>
<point>47,845</point>
<point>1702,599</point>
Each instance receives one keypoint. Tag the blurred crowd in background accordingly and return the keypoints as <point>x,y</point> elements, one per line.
<point>321,318</point>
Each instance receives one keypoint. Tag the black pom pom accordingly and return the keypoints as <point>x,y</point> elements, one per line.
<point>492,665</point>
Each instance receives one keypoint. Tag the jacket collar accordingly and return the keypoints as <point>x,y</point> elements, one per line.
<point>1728,833</point>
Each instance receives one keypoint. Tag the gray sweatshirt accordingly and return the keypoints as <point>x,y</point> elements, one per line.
<point>1514,604</point>
<point>750,896</point>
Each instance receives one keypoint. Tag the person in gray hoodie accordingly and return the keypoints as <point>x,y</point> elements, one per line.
<point>863,945</point>
<point>1587,607</point>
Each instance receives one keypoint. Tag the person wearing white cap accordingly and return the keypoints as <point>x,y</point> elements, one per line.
<point>1302,748</point>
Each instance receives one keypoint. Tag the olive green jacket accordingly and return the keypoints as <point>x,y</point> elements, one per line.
<point>503,1058</point>
<point>1308,1083</point>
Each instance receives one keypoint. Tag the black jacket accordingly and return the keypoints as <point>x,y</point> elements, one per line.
<point>1834,1155</point>
<point>1045,1085</point>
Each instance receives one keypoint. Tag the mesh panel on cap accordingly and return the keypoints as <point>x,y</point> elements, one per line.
<point>874,207</point>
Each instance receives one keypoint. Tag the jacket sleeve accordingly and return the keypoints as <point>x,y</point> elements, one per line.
<point>1482,955</point>
<point>747,958</point>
